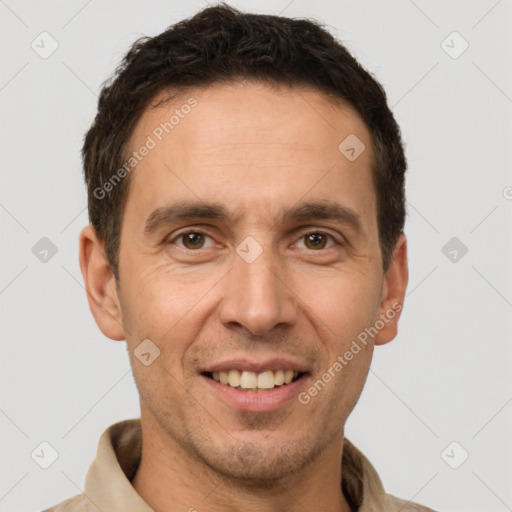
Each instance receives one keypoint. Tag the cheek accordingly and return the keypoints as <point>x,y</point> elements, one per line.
<point>337,386</point>
<point>349,381</point>
<point>159,305</point>
<point>343,304</point>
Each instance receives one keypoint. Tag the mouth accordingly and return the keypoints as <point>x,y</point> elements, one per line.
<point>247,385</point>
<point>255,382</point>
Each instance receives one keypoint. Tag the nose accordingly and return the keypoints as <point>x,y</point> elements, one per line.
<point>258,296</point>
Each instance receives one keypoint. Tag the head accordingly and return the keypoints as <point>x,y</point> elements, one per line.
<point>230,226</point>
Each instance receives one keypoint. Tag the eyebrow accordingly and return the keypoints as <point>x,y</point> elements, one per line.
<point>301,212</point>
<point>185,210</point>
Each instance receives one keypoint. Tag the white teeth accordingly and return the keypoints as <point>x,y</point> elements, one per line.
<point>279,378</point>
<point>266,380</point>
<point>251,381</point>
<point>288,376</point>
<point>248,380</point>
<point>234,378</point>
<point>224,377</point>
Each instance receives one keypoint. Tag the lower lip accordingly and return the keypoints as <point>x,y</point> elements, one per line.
<point>257,401</point>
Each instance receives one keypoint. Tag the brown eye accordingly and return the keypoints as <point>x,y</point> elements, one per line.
<point>192,240</point>
<point>315,240</point>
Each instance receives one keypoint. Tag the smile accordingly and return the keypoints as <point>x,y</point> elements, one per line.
<point>244,380</point>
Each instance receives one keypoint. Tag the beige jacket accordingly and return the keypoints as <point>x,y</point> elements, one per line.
<point>108,488</point>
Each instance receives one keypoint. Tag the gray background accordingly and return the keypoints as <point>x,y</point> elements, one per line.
<point>445,378</point>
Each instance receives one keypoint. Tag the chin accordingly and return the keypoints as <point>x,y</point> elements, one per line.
<point>259,466</point>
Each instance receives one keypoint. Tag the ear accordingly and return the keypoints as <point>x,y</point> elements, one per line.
<point>393,292</point>
<point>100,285</point>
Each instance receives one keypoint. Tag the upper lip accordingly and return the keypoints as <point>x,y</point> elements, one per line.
<point>256,366</point>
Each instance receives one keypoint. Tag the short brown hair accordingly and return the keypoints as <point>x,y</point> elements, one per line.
<point>221,44</point>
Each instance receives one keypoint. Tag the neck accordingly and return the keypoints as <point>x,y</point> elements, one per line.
<point>170,478</point>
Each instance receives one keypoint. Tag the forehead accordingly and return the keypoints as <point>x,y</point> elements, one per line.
<point>281,114</point>
<point>242,141</point>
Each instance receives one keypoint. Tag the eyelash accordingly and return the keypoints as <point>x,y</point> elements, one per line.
<point>199,232</point>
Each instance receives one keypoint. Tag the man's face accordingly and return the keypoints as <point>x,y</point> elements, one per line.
<point>294,295</point>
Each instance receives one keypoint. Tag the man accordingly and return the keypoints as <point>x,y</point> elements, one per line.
<point>246,198</point>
